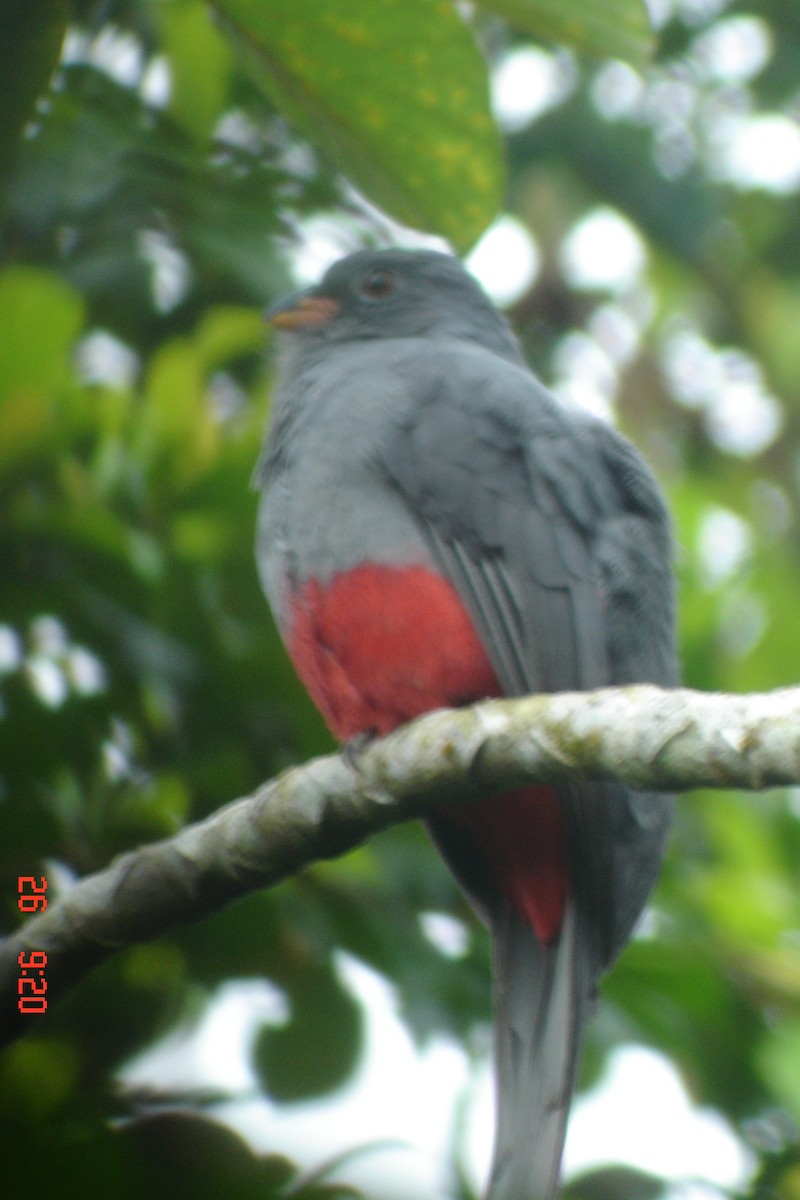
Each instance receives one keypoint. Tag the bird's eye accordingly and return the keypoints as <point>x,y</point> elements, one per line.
<point>377,284</point>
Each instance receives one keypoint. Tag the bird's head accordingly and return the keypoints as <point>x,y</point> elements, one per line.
<point>395,294</point>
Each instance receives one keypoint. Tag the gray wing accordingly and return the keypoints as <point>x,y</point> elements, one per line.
<point>554,534</point>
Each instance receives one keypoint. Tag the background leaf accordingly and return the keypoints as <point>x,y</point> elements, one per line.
<point>316,1051</point>
<point>29,52</point>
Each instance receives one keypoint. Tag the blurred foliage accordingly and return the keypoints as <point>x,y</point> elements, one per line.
<point>155,193</point>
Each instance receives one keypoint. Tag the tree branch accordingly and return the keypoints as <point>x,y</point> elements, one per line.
<point>649,738</point>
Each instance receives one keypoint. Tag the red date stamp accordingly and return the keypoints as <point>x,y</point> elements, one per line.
<point>32,984</point>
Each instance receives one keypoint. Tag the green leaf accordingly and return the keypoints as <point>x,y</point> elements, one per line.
<point>623,1183</point>
<point>227,331</point>
<point>395,94</point>
<point>40,318</point>
<point>318,1049</point>
<point>200,62</point>
<point>39,1073</point>
<point>177,423</point>
<point>778,1061</point>
<point>600,28</point>
<point>29,50</point>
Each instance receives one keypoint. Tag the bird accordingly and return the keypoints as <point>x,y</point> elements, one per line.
<point>436,528</point>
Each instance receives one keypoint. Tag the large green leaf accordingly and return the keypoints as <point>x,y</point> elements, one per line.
<point>394,93</point>
<point>602,28</point>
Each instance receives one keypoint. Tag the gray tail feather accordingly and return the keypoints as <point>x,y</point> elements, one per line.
<point>543,996</point>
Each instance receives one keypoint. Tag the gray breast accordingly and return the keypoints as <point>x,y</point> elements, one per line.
<point>326,503</point>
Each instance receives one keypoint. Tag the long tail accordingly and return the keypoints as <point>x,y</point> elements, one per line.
<point>542,997</point>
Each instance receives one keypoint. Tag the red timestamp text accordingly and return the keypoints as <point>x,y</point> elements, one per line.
<point>32,984</point>
<point>31,895</point>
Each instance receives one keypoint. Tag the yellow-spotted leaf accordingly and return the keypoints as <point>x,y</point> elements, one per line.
<point>395,94</point>
<point>600,28</point>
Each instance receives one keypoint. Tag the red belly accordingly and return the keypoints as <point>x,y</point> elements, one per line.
<point>378,645</point>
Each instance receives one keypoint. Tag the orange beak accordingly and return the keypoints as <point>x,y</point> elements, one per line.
<point>300,311</point>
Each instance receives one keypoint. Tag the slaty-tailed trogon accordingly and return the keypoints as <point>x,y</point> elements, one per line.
<point>435,529</point>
